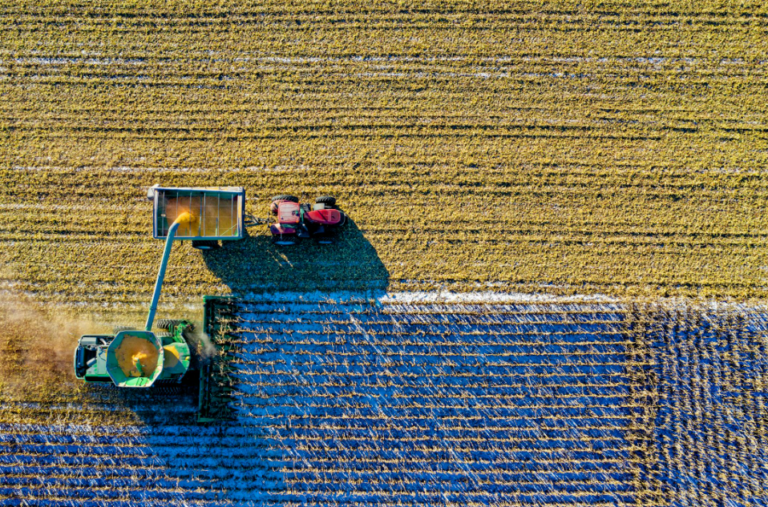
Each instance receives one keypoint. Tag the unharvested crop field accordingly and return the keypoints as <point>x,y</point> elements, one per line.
<point>401,401</point>
<point>536,146</point>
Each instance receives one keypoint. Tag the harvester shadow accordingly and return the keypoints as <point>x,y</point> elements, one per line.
<point>256,265</point>
<point>159,405</point>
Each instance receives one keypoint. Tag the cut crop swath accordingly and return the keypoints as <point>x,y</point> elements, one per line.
<point>610,151</point>
<point>407,402</point>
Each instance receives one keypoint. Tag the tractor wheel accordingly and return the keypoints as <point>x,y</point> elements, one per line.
<point>326,199</point>
<point>289,198</point>
<point>167,324</point>
<point>205,245</point>
<point>151,192</point>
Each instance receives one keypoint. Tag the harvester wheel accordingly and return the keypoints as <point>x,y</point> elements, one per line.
<point>326,199</point>
<point>167,324</point>
<point>205,245</point>
<point>289,198</point>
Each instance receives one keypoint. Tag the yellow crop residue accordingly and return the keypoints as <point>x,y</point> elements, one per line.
<point>551,147</point>
<point>135,350</point>
<point>171,357</point>
<point>213,216</point>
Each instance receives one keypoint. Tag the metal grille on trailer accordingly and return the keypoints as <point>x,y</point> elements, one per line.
<point>219,212</point>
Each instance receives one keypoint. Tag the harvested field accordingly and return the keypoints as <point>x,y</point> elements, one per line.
<point>546,146</point>
<point>401,401</point>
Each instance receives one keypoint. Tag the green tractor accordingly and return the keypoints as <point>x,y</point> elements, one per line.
<point>133,358</point>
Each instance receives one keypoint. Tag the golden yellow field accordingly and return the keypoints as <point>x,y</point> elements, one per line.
<point>548,147</point>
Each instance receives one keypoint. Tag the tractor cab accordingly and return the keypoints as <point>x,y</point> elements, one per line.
<point>288,213</point>
<point>296,221</point>
<point>91,358</point>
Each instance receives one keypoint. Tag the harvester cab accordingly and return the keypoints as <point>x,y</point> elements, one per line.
<point>139,358</point>
<point>134,358</point>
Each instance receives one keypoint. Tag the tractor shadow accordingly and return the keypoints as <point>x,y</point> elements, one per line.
<point>256,265</point>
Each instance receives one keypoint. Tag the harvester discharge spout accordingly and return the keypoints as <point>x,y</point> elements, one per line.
<point>130,358</point>
<point>183,219</point>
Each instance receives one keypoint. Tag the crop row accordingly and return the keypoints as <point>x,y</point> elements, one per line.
<point>54,270</point>
<point>272,367</point>
<point>380,429</point>
<point>334,33</point>
<point>643,238</point>
<point>498,431</point>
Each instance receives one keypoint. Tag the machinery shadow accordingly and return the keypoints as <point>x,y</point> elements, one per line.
<point>159,405</point>
<point>255,264</point>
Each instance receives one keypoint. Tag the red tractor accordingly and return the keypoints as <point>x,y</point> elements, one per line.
<point>297,221</point>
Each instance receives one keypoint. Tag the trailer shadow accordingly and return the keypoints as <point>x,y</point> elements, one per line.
<point>255,264</point>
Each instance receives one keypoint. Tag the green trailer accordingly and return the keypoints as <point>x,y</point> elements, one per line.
<point>136,358</point>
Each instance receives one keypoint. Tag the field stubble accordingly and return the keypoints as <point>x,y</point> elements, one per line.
<point>553,147</point>
<point>543,147</point>
<point>408,402</point>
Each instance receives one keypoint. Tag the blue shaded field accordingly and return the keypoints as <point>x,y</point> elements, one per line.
<point>712,422</point>
<point>379,403</point>
<point>436,404</point>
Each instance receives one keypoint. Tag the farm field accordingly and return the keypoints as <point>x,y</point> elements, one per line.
<point>539,147</point>
<point>409,401</point>
<point>552,290</point>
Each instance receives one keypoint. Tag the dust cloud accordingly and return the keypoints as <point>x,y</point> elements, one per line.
<point>202,344</point>
<point>36,346</point>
